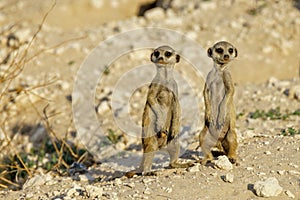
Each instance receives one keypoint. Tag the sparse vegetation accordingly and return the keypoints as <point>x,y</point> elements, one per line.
<point>113,137</point>
<point>18,167</point>
<point>290,131</point>
<point>53,153</point>
<point>106,70</point>
<point>272,114</point>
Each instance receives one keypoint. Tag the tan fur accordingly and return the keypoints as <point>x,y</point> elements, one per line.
<point>161,117</point>
<point>219,127</point>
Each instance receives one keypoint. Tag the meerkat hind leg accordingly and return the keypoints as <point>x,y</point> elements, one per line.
<point>207,143</point>
<point>208,156</point>
<point>230,145</point>
<point>145,166</point>
<point>173,150</point>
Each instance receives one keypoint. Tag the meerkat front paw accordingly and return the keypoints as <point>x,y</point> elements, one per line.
<point>162,134</point>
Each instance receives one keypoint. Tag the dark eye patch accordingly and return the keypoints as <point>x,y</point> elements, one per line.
<point>156,53</point>
<point>168,54</point>
<point>219,50</point>
<point>230,50</point>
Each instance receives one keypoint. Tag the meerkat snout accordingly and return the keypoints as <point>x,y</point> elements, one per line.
<point>226,57</point>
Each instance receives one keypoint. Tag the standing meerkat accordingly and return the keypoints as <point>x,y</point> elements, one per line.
<point>220,116</point>
<point>161,117</point>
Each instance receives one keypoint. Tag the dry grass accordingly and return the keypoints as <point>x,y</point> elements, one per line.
<point>16,168</point>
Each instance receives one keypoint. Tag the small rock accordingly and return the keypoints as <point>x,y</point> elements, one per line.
<point>214,174</point>
<point>249,168</point>
<point>167,189</point>
<point>261,174</point>
<point>77,167</point>
<point>148,180</point>
<point>208,5</point>
<point>281,172</point>
<point>249,133</point>
<point>75,191</point>
<point>194,168</point>
<point>147,191</point>
<point>223,163</point>
<point>294,92</point>
<point>280,149</point>
<point>268,188</point>
<point>64,85</point>
<point>293,165</point>
<point>155,14</point>
<point>103,107</point>
<point>86,177</point>
<point>94,192</point>
<point>118,181</point>
<point>23,34</point>
<point>228,178</point>
<point>120,146</point>
<point>37,180</point>
<point>268,153</point>
<point>267,49</point>
<point>290,194</point>
<point>293,172</point>
<point>272,82</point>
<point>97,3</point>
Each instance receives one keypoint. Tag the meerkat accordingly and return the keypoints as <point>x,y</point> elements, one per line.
<point>219,120</point>
<point>161,116</point>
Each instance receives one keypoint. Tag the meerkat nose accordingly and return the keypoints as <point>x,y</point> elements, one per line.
<point>226,57</point>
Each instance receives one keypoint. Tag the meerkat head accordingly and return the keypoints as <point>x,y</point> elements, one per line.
<point>164,56</point>
<point>222,52</point>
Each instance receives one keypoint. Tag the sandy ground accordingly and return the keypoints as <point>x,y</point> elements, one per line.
<point>266,76</point>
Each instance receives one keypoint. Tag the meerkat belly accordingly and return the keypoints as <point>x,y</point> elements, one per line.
<point>164,98</point>
<point>217,94</point>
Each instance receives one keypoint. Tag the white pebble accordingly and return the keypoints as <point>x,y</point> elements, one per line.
<point>268,188</point>
<point>268,153</point>
<point>223,163</point>
<point>290,194</point>
<point>281,172</point>
<point>228,178</point>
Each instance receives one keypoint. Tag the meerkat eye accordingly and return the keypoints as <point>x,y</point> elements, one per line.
<point>219,50</point>
<point>156,53</point>
<point>168,54</point>
<point>230,50</point>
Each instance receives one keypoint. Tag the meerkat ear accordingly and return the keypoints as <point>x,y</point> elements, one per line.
<point>151,57</point>
<point>236,52</point>
<point>177,58</point>
<point>209,52</point>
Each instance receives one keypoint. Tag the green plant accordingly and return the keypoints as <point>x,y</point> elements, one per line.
<point>257,114</point>
<point>290,131</point>
<point>113,137</point>
<point>273,114</point>
<point>71,62</point>
<point>296,112</point>
<point>106,70</point>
